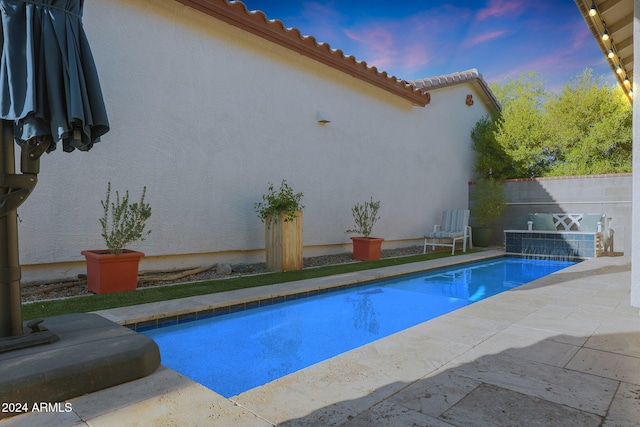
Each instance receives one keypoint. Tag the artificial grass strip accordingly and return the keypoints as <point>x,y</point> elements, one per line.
<point>87,303</point>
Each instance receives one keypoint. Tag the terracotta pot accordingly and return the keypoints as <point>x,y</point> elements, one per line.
<point>108,273</point>
<point>366,248</point>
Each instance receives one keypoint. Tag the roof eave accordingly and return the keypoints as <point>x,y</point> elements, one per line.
<point>465,77</point>
<point>236,14</point>
<point>583,7</point>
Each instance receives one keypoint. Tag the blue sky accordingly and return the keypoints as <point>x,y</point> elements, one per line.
<point>415,39</point>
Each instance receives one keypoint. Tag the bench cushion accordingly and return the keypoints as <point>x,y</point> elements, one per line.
<point>589,223</point>
<point>542,221</point>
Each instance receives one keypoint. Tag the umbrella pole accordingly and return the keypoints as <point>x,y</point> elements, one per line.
<point>10,298</point>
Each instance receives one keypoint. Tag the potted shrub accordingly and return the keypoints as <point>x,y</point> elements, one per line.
<point>115,269</point>
<point>365,247</point>
<point>281,212</point>
<point>487,204</point>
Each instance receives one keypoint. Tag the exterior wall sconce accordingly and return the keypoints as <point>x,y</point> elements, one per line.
<point>469,100</point>
<point>322,119</point>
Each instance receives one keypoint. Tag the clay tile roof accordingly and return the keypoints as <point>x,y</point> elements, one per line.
<point>469,76</point>
<point>256,22</point>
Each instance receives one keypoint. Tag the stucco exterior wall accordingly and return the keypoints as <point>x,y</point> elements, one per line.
<point>205,115</point>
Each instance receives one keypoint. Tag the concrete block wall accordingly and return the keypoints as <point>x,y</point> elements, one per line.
<point>610,194</point>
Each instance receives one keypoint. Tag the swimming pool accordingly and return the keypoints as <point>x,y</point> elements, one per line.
<point>236,352</point>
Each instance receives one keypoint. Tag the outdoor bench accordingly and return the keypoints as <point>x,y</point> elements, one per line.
<point>562,235</point>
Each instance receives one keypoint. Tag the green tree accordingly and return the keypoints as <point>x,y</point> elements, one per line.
<point>529,87</point>
<point>591,124</point>
<point>491,160</point>
<point>585,129</point>
<point>521,131</point>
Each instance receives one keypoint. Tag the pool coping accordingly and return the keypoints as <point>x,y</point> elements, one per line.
<point>164,313</point>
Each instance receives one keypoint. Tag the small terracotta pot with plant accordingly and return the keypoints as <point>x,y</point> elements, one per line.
<point>365,247</point>
<point>115,269</point>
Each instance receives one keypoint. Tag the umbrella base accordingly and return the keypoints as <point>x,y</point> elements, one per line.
<point>26,340</point>
<point>92,354</point>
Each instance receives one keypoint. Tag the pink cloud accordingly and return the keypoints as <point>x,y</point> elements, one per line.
<point>326,12</point>
<point>483,38</point>
<point>405,45</point>
<point>378,36</point>
<point>500,8</point>
<point>558,62</point>
<point>319,20</point>
<point>579,38</point>
<point>400,46</point>
<point>385,47</point>
<point>416,57</point>
<point>379,45</point>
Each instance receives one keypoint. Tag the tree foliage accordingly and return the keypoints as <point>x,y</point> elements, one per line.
<point>491,158</point>
<point>487,201</point>
<point>585,129</point>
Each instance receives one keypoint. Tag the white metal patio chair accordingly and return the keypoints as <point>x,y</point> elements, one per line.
<point>454,227</point>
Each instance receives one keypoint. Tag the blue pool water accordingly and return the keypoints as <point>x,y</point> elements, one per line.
<point>236,352</point>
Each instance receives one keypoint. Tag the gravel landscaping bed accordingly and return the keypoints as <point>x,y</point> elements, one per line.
<point>71,288</point>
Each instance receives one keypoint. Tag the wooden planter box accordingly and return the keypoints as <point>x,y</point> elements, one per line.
<point>108,273</point>
<point>283,243</point>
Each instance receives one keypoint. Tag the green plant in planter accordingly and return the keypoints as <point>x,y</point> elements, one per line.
<point>365,216</point>
<point>123,222</point>
<point>275,202</point>
<point>487,202</point>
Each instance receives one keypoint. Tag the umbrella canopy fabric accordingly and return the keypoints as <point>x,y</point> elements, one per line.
<point>49,82</point>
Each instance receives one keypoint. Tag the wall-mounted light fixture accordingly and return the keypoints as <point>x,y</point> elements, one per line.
<point>469,100</point>
<point>321,118</point>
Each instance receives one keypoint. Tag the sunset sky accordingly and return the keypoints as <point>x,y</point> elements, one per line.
<point>415,39</point>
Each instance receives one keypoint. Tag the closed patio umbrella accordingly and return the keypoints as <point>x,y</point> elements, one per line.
<point>49,95</point>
